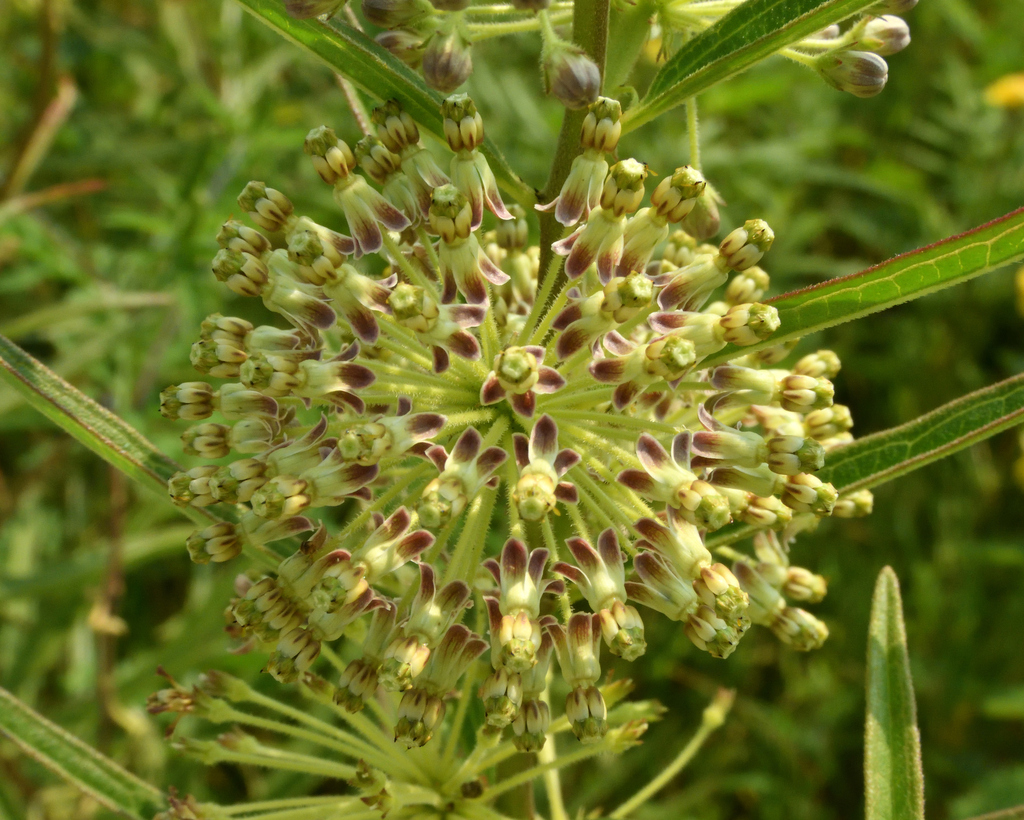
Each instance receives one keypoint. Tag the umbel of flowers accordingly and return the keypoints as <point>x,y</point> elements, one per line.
<point>425,392</point>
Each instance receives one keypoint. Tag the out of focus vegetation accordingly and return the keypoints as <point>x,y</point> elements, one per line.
<point>126,131</point>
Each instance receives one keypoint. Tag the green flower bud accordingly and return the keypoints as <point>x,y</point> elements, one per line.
<point>463,126</point>
<point>206,440</point>
<point>703,221</point>
<point>190,401</point>
<point>601,127</point>
<point>569,74</point>
<point>448,59</point>
<point>745,246</point>
<point>266,207</point>
<point>854,505</point>
<point>885,35</point>
<point>218,542</point>
<point>395,13</point>
<point>860,73</point>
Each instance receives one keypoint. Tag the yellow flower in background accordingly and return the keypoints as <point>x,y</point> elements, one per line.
<point>1007,91</point>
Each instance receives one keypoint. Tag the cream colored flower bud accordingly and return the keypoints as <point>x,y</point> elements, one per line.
<point>601,127</point>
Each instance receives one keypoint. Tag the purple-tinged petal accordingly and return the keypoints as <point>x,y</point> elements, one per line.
<point>565,461</point>
<point>567,493</point>
<point>549,380</point>
<point>523,403</point>
<point>521,449</point>
<point>467,447</point>
<point>491,391</point>
<point>544,438</point>
<point>637,480</point>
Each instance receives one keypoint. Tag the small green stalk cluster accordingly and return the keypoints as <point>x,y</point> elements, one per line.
<point>409,403</point>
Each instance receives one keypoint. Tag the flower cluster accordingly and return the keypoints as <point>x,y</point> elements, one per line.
<point>428,370</point>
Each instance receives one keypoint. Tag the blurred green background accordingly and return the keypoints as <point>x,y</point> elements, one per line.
<point>110,201</point>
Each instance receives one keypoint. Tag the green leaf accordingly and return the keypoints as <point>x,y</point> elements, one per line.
<point>745,36</point>
<point>94,426</point>
<point>883,456</point>
<point>893,780</point>
<point>905,277</point>
<point>381,75</point>
<point>77,762</point>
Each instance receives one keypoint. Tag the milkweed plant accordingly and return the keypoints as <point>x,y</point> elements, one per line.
<point>481,438</point>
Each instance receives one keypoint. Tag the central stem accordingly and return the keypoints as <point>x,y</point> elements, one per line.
<point>589,32</point>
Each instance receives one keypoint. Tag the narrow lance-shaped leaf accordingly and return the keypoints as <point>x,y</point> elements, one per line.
<point>893,781</point>
<point>745,36</point>
<point>97,428</point>
<point>883,456</point>
<point>905,277</point>
<point>379,73</point>
<point>76,762</point>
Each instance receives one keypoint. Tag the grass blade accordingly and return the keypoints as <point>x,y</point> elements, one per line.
<point>379,73</point>
<point>76,762</point>
<point>909,276</point>
<point>893,780</point>
<point>745,36</point>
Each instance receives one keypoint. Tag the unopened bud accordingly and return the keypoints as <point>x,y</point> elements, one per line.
<point>267,207</point>
<point>855,505</point>
<point>860,73</point>
<point>745,246</point>
<point>447,60</point>
<point>394,13</point>
<point>570,75</point>
<point>885,35</point>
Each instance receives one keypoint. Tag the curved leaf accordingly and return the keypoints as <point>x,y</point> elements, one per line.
<point>77,762</point>
<point>893,780</point>
<point>746,35</point>
<point>380,74</point>
<point>905,277</point>
<point>883,456</point>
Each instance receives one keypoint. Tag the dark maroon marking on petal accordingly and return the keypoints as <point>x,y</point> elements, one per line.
<point>389,215</point>
<point>493,611</point>
<point>637,480</point>
<point>570,208</point>
<point>441,361</point>
<point>615,343</point>
<point>673,294</point>
<point>425,425</point>
<point>467,315</point>
<point>563,247</point>
<point>523,403</point>
<point>666,322</point>
<point>544,438</point>
<point>538,560</point>
<point>569,342</point>
<point>476,207</point>
<point>453,595</point>
<point>652,455</point>
<point>467,447</point>
<point>491,272</point>
<point>404,407</point>
<point>348,354</point>
<point>494,568</point>
<point>681,446</point>
<point>537,351</point>
<point>490,460</point>
<point>514,560</point>
<point>363,323</point>
<point>581,628</point>
<point>642,594</point>
<point>465,345</point>
<point>377,297</point>
<point>494,201</point>
<point>565,461</point>
<point>653,531</point>
<point>704,463</point>
<point>414,544</point>
<point>493,482</point>
<point>579,259</point>
<point>521,449</point>
<point>547,206</point>
<point>586,556</point>
<point>318,314</point>
<point>491,391</point>
<point>355,376</point>
<point>624,395</point>
<point>569,571</point>
<point>549,380</point>
<point>438,455</point>
<point>608,371</point>
<point>608,547</point>
<point>342,244</point>
<point>567,316</point>
<point>388,282</point>
<point>342,398</point>
<point>474,289</point>
<point>450,290</point>
<point>553,586</point>
<point>567,493</point>
<point>651,568</point>
<point>396,524</point>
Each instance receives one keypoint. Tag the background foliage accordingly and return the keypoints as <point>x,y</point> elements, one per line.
<point>170,107</point>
